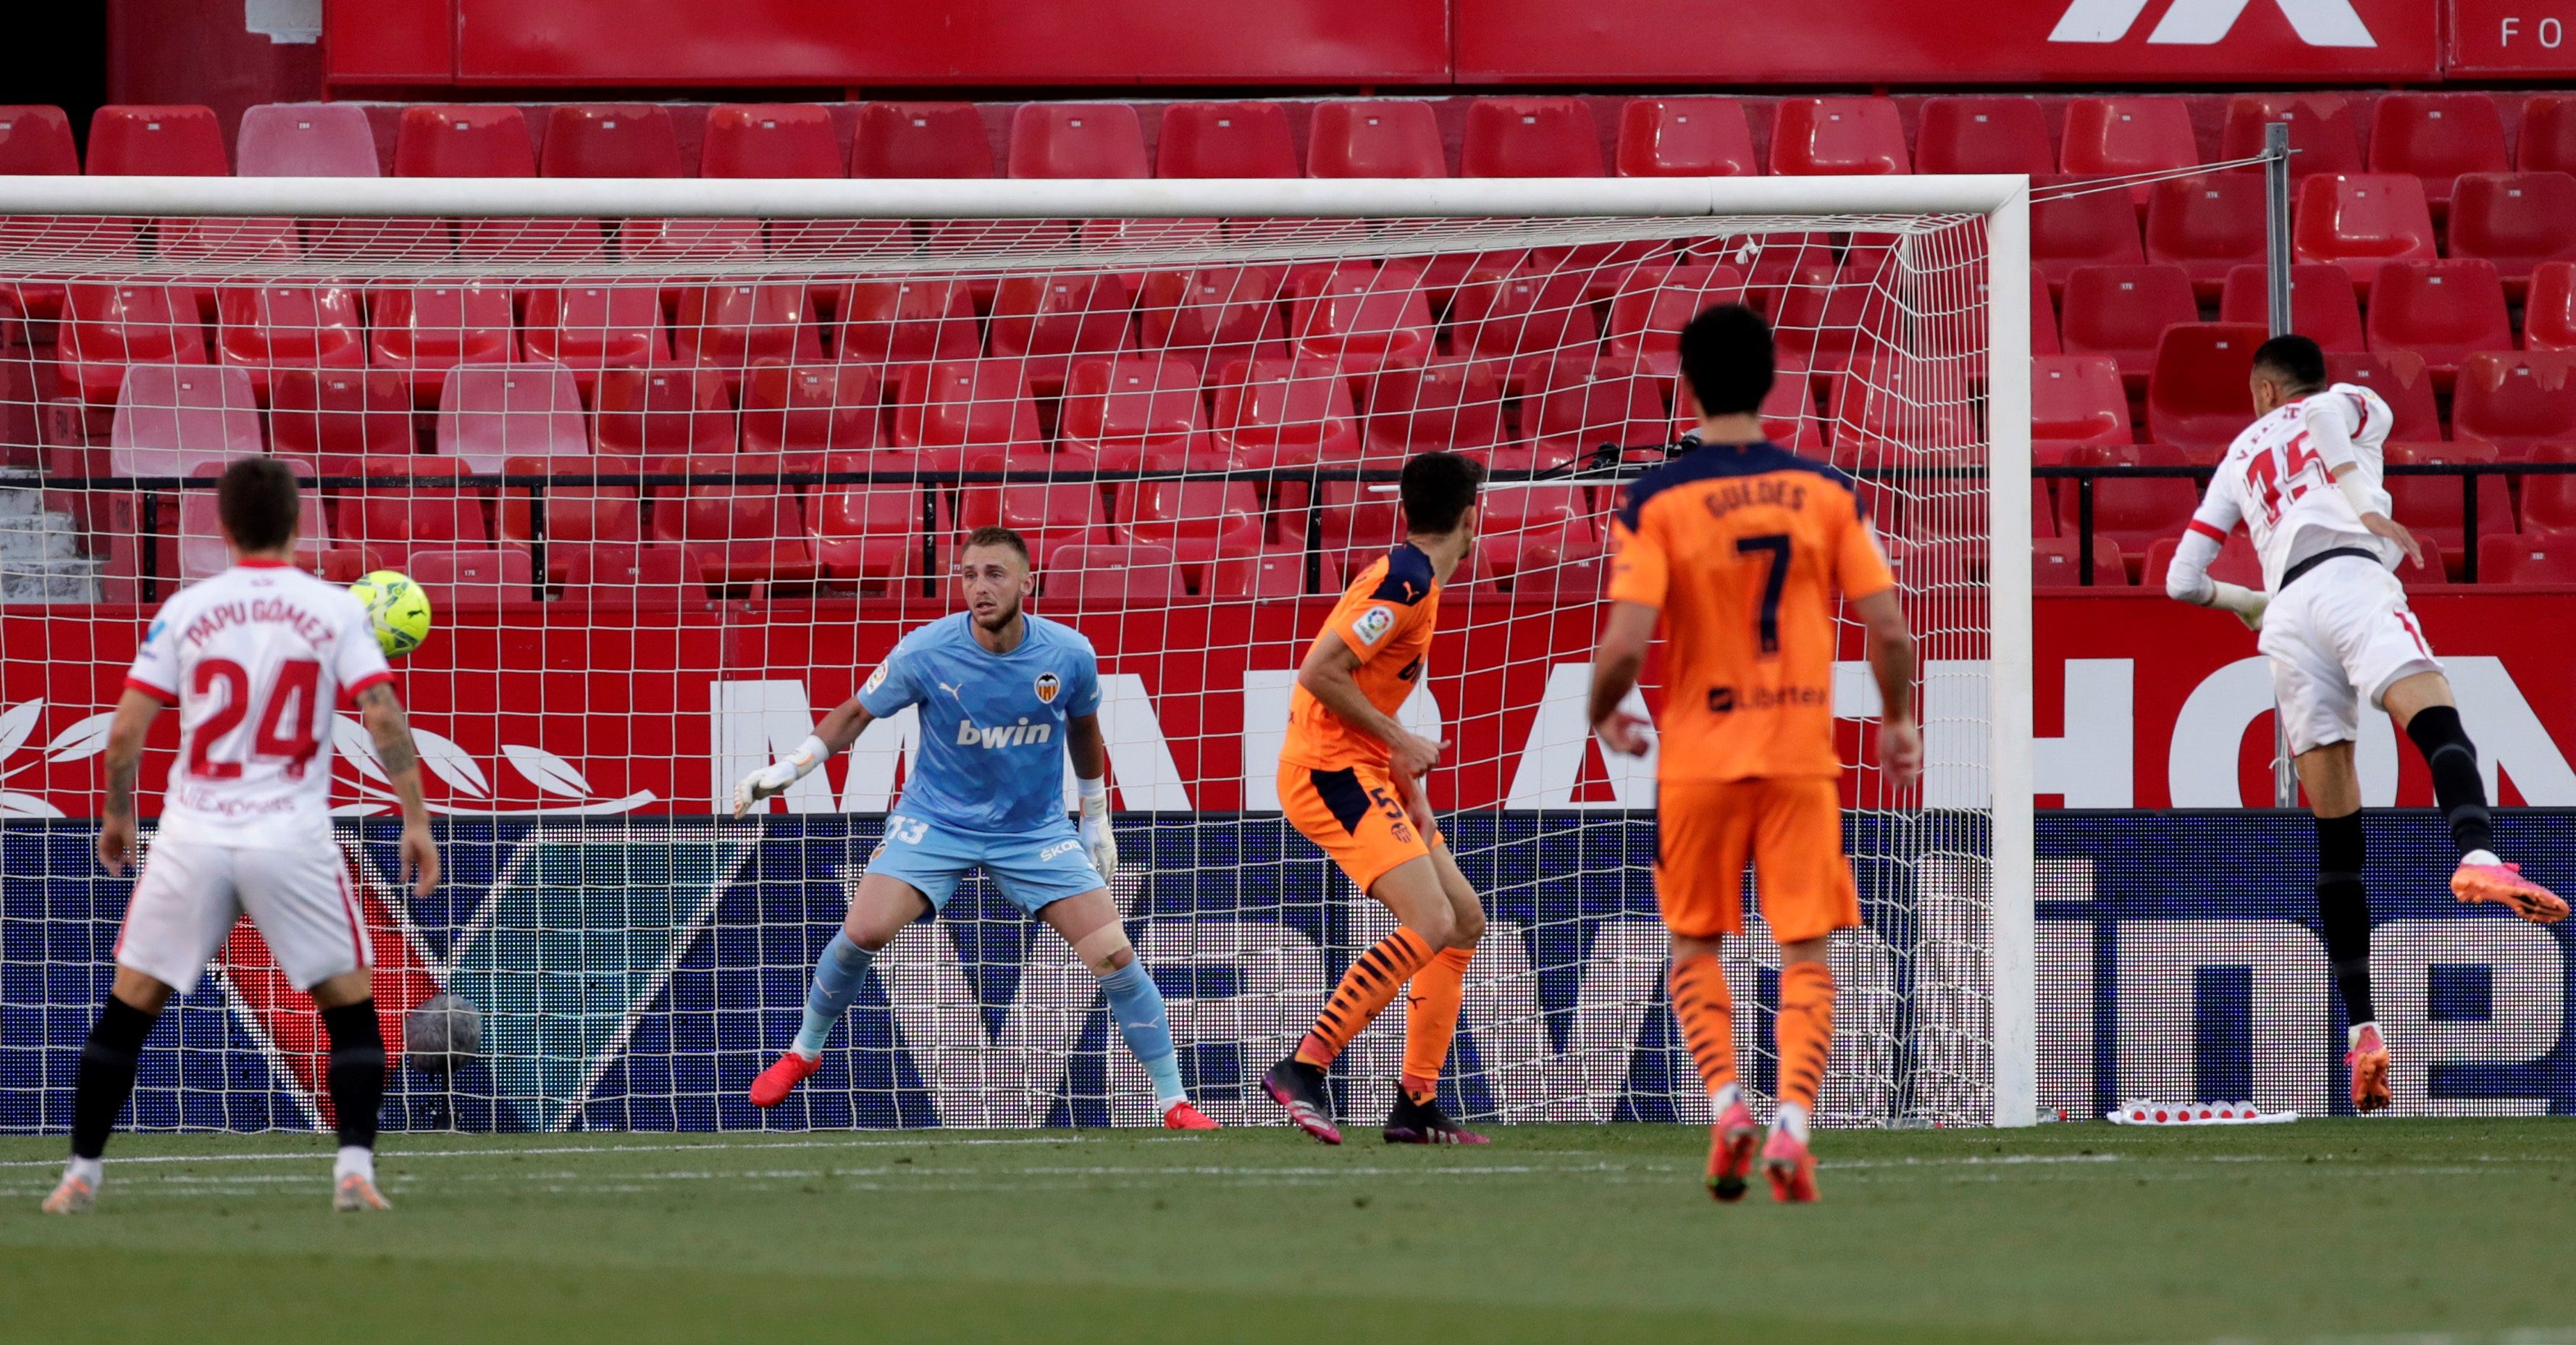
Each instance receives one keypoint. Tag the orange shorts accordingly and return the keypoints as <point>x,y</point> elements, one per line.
<point>1356,815</point>
<point>1790,828</point>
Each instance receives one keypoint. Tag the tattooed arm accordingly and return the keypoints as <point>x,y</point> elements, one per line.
<point>134,715</point>
<point>382,711</point>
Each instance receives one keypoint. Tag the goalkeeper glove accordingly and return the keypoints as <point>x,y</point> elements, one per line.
<point>1097,840</point>
<point>773,779</point>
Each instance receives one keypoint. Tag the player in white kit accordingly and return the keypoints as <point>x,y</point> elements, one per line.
<point>2304,480</point>
<point>257,659</point>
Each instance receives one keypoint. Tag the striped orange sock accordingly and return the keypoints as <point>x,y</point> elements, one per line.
<point>1805,1030</point>
<point>1705,1008</point>
<point>1431,1020</point>
<point>1365,989</point>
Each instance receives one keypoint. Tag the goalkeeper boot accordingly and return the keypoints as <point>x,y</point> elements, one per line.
<point>2504,884</point>
<point>355,1192</point>
<point>1791,1168</point>
<point>1299,1087</point>
<point>2368,1061</point>
<point>1411,1122</point>
<point>1731,1143</point>
<point>73,1195</point>
<point>1182,1116</point>
<point>780,1079</point>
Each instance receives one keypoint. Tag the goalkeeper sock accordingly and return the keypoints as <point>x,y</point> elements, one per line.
<point>107,1061</point>
<point>1705,1008</point>
<point>2457,786</point>
<point>1363,993</point>
<point>1431,1020</point>
<point>357,1071</point>
<point>1137,1006</point>
<point>836,983</point>
<point>1805,1030</point>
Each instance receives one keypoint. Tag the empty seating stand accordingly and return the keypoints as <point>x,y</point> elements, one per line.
<point>2359,221</point>
<point>1391,138</point>
<point>306,140</point>
<point>1838,135</point>
<point>2516,220</point>
<point>2436,137</point>
<point>1530,137</point>
<point>1225,140</point>
<point>156,141</point>
<point>1685,137</point>
<point>757,140</point>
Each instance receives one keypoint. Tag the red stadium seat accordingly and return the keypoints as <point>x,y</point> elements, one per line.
<point>808,408</point>
<point>1652,307</point>
<point>1271,574</point>
<point>2437,137</point>
<point>742,533</point>
<point>1530,137</point>
<point>2358,221</point>
<point>2516,220</point>
<point>2515,401</point>
<point>1135,414</point>
<point>356,411</point>
<point>1838,135</point>
<point>2058,562</point>
<point>1199,521</point>
<point>1451,404</point>
<point>619,575</point>
<point>903,322</point>
<point>36,141</point>
<point>588,328</point>
<point>2196,396</point>
<point>641,411</point>
<point>107,327</point>
<point>1212,316</point>
<point>1893,414</point>
<point>1359,318</point>
<point>173,418</point>
<point>265,328</point>
<point>728,327</point>
<point>2209,226</point>
<point>2430,506</point>
<point>1533,528</point>
<point>489,414</point>
<point>2122,312</point>
<point>2133,513</point>
<point>2078,398</point>
<point>2096,228</point>
<point>1285,413</point>
<point>2546,142</point>
<point>769,140</point>
<point>1375,138</point>
<point>1078,140</point>
<point>1819,325</point>
<point>2004,133</point>
<point>1111,576</point>
<point>2119,137</point>
<point>2399,378</point>
<point>2323,306</point>
<point>408,512</point>
<point>871,532</point>
<point>464,141</point>
<point>1789,415</point>
<point>1048,516</point>
<point>221,241</point>
<point>1521,317</point>
<point>2325,136</point>
<point>921,140</point>
<point>306,140</point>
<point>948,409</point>
<point>2441,310</point>
<point>579,519</point>
<point>1579,404</point>
<point>609,140</point>
<point>423,331</point>
<point>2044,337</point>
<point>2236,563</point>
<point>2548,502</point>
<point>2549,318</point>
<point>2535,557</point>
<point>1050,319</point>
<point>473,578</point>
<point>1225,140</point>
<point>1685,137</point>
<point>201,547</point>
<point>156,140</point>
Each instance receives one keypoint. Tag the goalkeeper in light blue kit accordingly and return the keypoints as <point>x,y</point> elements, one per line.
<point>1003,697</point>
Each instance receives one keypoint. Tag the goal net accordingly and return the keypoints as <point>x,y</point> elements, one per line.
<point>675,481</point>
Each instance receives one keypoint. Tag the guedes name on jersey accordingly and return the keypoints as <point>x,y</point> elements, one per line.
<point>1762,490</point>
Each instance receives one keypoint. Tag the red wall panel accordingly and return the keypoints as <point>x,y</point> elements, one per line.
<point>390,41</point>
<point>2512,37</point>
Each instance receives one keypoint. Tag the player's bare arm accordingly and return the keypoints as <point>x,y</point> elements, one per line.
<point>1891,660</point>
<point>1614,674</point>
<point>135,712</point>
<point>833,736</point>
<point>382,712</point>
<point>1327,676</point>
<point>1089,752</point>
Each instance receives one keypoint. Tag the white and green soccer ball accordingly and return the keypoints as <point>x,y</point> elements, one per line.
<point>396,608</point>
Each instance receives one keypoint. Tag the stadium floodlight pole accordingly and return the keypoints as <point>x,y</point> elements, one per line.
<point>2276,276</point>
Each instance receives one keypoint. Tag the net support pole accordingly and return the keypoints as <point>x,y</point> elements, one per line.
<point>2276,277</point>
<point>2015,863</point>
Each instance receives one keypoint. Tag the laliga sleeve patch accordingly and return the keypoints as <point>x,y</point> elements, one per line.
<point>1373,624</point>
<point>875,679</point>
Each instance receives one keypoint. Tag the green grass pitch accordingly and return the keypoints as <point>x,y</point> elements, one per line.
<point>2430,1231</point>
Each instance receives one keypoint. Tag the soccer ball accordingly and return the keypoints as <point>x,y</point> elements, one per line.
<point>442,1034</point>
<point>398,609</point>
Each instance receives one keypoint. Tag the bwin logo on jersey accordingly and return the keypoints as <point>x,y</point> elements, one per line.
<point>970,734</point>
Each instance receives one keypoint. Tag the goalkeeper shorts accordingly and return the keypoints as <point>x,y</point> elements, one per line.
<point>1033,870</point>
<point>1789,827</point>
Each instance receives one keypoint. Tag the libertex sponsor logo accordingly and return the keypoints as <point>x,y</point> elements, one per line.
<point>2201,23</point>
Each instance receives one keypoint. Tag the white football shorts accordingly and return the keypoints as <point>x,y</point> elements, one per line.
<point>190,894</point>
<point>2341,633</point>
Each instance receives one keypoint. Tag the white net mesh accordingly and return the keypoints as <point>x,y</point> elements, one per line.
<point>674,486</point>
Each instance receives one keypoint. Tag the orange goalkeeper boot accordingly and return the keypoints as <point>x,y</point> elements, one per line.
<point>1730,1152</point>
<point>2504,885</point>
<point>1791,1168</point>
<point>2368,1061</point>
<point>1182,1116</point>
<point>780,1079</point>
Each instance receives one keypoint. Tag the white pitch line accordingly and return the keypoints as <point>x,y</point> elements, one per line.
<point>719,1146</point>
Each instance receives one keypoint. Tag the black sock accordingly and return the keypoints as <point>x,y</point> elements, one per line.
<point>107,1061</point>
<point>2456,786</point>
<point>2343,908</point>
<point>357,1072</point>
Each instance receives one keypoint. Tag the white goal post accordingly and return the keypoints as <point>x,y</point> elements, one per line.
<point>1907,273</point>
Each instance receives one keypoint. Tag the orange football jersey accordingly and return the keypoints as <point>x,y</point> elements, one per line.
<point>1386,616</point>
<point>1743,548</point>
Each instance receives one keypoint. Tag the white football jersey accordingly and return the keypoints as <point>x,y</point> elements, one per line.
<point>257,659</point>
<point>2276,480</point>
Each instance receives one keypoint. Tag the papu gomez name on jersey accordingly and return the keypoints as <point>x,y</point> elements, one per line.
<point>971,734</point>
